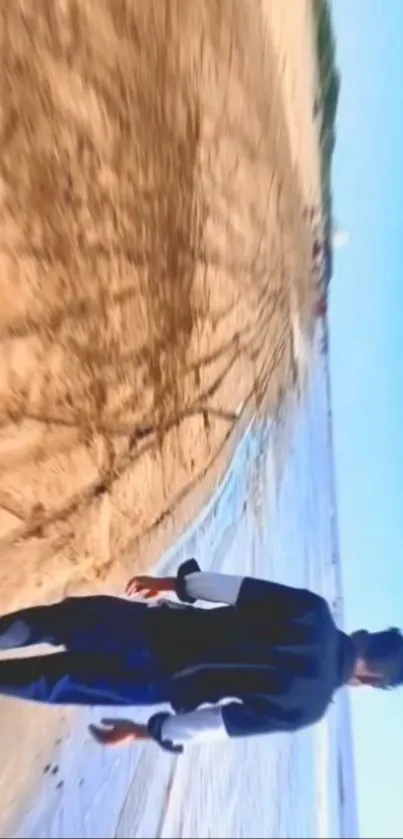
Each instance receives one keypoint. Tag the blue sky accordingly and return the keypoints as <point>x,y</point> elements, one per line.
<point>366,316</point>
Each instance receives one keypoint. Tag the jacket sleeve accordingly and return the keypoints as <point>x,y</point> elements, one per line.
<point>262,717</point>
<point>277,600</point>
<point>172,731</point>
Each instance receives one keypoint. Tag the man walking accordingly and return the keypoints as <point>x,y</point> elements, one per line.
<point>268,660</point>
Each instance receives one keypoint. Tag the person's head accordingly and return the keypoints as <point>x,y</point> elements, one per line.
<point>378,658</point>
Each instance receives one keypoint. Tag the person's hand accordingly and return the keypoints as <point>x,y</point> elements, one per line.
<point>117,732</point>
<point>150,587</point>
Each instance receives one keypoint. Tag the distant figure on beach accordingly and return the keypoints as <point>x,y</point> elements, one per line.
<point>321,307</point>
<point>269,660</point>
<point>316,249</point>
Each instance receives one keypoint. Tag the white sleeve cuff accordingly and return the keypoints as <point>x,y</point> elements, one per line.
<point>204,725</point>
<point>214,588</point>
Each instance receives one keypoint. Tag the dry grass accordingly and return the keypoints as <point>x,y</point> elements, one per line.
<point>152,242</point>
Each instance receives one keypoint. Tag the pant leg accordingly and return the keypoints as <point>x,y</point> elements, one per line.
<point>81,624</point>
<point>81,679</point>
<point>27,626</point>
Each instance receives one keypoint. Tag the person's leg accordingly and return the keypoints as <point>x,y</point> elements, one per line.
<point>81,679</point>
<point>81,624</point>
<point>27,626</point>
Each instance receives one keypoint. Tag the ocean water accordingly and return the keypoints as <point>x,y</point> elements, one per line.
<point>276,786</point>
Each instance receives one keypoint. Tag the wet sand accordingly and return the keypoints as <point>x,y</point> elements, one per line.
<point>156,266</point>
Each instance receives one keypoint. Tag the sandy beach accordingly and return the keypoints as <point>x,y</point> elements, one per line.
<point>157,285</point>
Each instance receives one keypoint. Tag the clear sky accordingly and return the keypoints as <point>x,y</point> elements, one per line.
<point>366,316</point>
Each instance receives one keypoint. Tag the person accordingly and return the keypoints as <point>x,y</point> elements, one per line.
<point>321,308</point>
<point>268,659</point>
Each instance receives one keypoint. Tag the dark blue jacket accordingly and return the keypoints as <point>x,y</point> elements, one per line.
<point>277,650</point>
